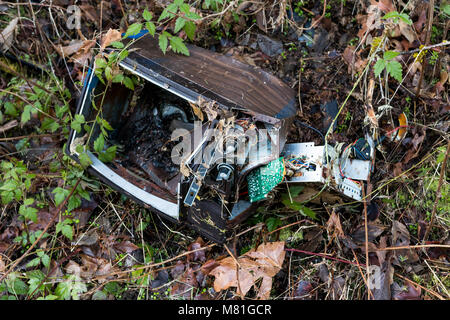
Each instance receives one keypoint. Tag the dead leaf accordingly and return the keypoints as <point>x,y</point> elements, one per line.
<point>9,125</point>
<point>264,262</point>
<point>91,267</point>
<point>43,218</point>
<point>384,5</point>
<point>7,35</point>
<point>334,225</point>
<point>398,169</point>
<point>84,54</point>
<point>303,290</point>
<point>418,25</point>
<point>401,238</point>
<point>2,265</point>
<point>336,284</point>
<point>184,287</point>
<point>382,281</point>
<point>408,292</point>
<point>70,49</point>
<point>197,255</point>
<point>353,60</point>
<point>125,246</point>
<point>111,36</point>
<point>90,12</point>
<point>209,265</point>
<point>373,232</point>
<point>178,269</point>
<point>407,31</point>
<point>197,111</point>
<point>371,115</point>
<point>4,246</point>
<point>87,239</point>
<point>400,234</point>
<point>371,21</point>
<point>209,107</point>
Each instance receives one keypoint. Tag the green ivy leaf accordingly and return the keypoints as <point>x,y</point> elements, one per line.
<point>99,143</point>
<point>389,55</point>
<point>77,122</point>
<point>118,78</point>
<point>10,109</point>
<point>178,46</point>
<point>379,67</point>
<point>67,231</point>
<point>150,27</point>
<point>60,195</point>
<point>294,205</point>
<point>100,63</point>
<point>405,18</point>
<point>117,45</point>
<point>45,259</point>
<point>272,223</point>
<point>18,287</point>
<point>179,24</point>
<point>168,12</point>
<point>63,290</point>
<point>33,263</point>
<point>106,124</point>
<point>147,15</point>
<point>394,68</point>
<point>108,155</point>
<point>49,124</point>
<point>9,185</point>
<point>128,83</point>
<point>189,29</point>
<point>85,161</point>
<point>123,54</point>
<point>133,29</point>
<point>74,202</point>
<point>192,15</point>
<point>163,42</point>
<point>26,114</point>
<point>185,8</point>
<point>108,73</point>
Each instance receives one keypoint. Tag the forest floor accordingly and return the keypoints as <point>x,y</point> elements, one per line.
<point>66,235</point>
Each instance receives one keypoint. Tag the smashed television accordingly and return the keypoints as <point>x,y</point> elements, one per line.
<point>202,138</point>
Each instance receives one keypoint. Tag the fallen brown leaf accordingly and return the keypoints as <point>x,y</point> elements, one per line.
<point>400,238</point>
<point>70,49</point>
<point>185,285</point>
<point>125,246</point>
<point>9,125</point>
<point>197,255</point>
<point>334,225</point>
<point>406,292</point>
<point>111,36</point>
<point>373,231</point>
<point>264,262</point>
<point>7,35</point>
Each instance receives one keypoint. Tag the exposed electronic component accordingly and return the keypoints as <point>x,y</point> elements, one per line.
<point>263,179</point>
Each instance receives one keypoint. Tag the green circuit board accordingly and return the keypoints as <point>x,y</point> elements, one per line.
<point>263,179</point>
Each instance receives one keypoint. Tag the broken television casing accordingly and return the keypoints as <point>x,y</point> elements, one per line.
<point>232,120</point>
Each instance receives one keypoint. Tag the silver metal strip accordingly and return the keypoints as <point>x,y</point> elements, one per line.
<point>169,208</point>
<point>158,83</point>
